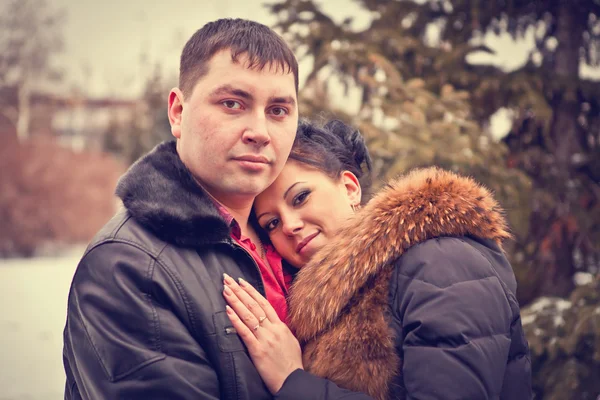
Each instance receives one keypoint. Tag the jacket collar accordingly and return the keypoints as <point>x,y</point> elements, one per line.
<point>161,194</point>
<point>424,204</point>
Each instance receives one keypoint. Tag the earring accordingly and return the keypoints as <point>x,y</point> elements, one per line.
<point>355,207</point>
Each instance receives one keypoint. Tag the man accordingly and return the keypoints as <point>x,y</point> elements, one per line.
<point>146,316</point>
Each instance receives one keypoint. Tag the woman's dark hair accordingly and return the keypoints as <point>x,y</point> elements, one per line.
<point>333,148</point>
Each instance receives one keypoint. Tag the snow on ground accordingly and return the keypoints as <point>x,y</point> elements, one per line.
<point>33,297</point>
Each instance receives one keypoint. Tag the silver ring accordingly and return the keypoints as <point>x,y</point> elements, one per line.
<point>256,328</point>
<point>261,319</point>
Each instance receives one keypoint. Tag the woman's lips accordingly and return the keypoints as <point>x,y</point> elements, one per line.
<point>305,241</point>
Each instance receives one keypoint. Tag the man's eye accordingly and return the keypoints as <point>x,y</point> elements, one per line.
<point>279,111</point>
<point>232,104</point>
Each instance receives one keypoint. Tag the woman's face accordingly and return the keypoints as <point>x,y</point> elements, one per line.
<point>303,209</point>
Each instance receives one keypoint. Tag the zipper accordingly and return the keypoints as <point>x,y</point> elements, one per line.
<point>262,282</point>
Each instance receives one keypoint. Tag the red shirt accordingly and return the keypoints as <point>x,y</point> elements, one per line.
<point>275,283</point>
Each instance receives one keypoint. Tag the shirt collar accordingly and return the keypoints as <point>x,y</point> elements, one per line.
<point>229,219</point>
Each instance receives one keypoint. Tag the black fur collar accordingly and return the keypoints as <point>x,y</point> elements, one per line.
<point>161,194</point>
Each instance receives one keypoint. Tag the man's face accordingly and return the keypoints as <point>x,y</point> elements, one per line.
<point>236,129</point>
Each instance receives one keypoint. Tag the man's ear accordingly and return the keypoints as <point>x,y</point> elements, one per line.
<point>352,187</point>
<point>175,111</point>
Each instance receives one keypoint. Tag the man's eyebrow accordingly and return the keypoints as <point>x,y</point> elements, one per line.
<point>230,90</point>
<point>282,100</point>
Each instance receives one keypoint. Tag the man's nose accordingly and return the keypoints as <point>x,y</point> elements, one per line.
<point>256,132</point>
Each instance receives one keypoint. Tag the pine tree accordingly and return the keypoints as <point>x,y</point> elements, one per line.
<point>555,139</point>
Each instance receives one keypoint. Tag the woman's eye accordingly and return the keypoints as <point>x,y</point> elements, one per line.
<point>232,104</point>
<point>272,224</point>
<point>300,198</point>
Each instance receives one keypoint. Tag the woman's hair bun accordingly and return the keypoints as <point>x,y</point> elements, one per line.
<point>333,147</point>
<point>353,142</point>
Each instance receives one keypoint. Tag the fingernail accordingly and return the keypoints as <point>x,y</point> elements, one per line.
<point>228,291</point>
<point>229,310</point>
<point>227,279</point>
<point>242,282</point>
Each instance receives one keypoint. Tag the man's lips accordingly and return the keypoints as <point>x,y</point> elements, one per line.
<point>305,241</point>
<point>253,158</point>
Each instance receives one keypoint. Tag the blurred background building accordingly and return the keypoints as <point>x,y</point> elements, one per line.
<point>507,91</point>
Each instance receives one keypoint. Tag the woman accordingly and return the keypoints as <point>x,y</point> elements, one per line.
<point>409,297</point>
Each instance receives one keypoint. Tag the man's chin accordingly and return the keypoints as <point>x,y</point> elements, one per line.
<point>251,187</point>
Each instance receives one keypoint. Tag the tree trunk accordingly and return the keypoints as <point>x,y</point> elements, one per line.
<point>24,116</point>
<point>569,33</point>
<point>558,267</point>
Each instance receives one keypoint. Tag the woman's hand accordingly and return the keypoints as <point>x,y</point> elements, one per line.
<point>272,346</point>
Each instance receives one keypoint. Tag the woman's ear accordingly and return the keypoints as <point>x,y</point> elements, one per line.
<point>352,187</point>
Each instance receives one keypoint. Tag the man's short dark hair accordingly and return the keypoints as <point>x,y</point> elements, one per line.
<point>259,43</point>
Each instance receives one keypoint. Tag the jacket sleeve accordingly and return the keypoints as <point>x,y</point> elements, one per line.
<point>302,385</point>
<point>122,338</point>
<point>455,319</point>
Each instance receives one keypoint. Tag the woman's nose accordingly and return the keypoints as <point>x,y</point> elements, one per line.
<point>292,225</point>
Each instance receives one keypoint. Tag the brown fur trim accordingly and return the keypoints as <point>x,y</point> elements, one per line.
<point>338,301</point>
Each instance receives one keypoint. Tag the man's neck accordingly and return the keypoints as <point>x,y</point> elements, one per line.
<point>240,213</point>
<point>238,206</point>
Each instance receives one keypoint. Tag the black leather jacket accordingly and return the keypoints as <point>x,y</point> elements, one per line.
<point>146,316</point>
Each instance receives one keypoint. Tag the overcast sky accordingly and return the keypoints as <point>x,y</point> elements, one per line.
<point>109,37</point>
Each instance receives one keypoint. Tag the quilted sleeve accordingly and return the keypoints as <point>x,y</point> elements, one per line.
<point>455,319</point>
